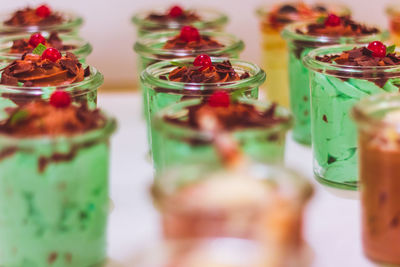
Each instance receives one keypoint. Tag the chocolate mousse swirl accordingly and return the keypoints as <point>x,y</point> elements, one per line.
<point>204,43</point>
<point>347,27</point>
<point>41,118</point>
<point>22,46</point>
<point>32,71</point>
<point>28,17</point>
<point>217,73</point>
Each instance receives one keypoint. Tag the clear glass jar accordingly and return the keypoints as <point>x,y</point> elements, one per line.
<point>299,45</point>
<point>177,145</point>
<point>379,165</point>
<point>393,13</point>
<point>81,92</point>
<point>256,202</point>
<point>227,252</point>
<point>275,53</point>
<point>161,93</point>
<point>150,50</point>
<point>210,19</point>
<point>334,90</point>
<point>71,25</point>
<point>81,49</point>
<point>54,199</point>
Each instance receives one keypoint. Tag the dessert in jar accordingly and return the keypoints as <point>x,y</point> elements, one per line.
<point>54,184</point>
<point>340,76</point>
<point>304,37</point>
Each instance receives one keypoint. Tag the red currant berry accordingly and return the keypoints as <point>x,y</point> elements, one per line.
<point>175,11</point>
<point>60,99</point>
<point>36,39</point>
<point>332,20</point>
<point>189,34</point>
<point>43,11</point>
<point>203,61</point>
<point>51,54</point>
<point>219,99</point>
<point>378,49</point>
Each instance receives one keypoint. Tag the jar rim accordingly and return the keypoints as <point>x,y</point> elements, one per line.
<point>178,131</point>
<point>82,49</point>
<point>150,76</point>
<point>102,133</point>
<point>93,81</point>
<point>346,71</point>
<point>217,19</point>
<point>72,21</point>
<point>290,34</point>
<point>144,45</point>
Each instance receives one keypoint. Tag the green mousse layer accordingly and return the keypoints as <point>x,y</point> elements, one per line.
<point>299,88</point>
<point>54,212</point>
<point>334,134</point>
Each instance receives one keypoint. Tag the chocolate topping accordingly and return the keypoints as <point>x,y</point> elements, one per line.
<point>186,17</point>
<point>41,119</point>
<point>235,116</point>
<point>31,70</point>
<point>22,45</point>
<point>218,73</point>
<point>204,43</point>
<point>28,17</point>
<point>347,27</point>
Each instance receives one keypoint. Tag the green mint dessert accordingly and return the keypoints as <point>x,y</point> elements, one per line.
<point>54,184</point>
<point>168,82</point>
<point>341,76</point>
<point>36,75</point>
<point>303,38</point>
<point>183,133</point>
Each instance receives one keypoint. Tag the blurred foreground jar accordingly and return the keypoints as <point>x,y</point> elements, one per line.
<point>378,120</point>
<point>256,202</point>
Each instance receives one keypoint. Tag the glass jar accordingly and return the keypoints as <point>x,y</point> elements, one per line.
<point>81,92</point>
<point>274,50</point>
<point>161,93</point>
<point>393,12</point>
<point>54,199</point>
<point>299,45</point>
<point>210,19</point>
<point>377,118</point>
<point>72,23</point>
<point>256,202</point>
<point>81,49</point>
<point>334,90</point>
<point>179,144</point>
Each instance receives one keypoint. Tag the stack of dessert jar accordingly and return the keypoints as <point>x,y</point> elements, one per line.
<point>217,151</point>
<point>54,143</point>
<point>343,78</point>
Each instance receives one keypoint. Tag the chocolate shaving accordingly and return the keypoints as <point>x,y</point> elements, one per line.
<point>186,17</point>
<point>204,43</point>
<point>28,17</point>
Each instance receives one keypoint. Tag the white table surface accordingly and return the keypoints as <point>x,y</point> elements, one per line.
<point>332,222</point>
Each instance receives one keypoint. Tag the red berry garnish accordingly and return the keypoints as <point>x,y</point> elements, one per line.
<point>203,61</point>
<point>332,20</point>
<point>60,99</point>
<point>51,54</point>
<point>219,99</point>
<point>189,34</point>
<point>175,11</point>
<point>36,39</point>
<point>378,49</point>
<point>43,11</point>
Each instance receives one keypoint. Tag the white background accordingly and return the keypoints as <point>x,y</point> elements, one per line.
<point>109,29</point>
